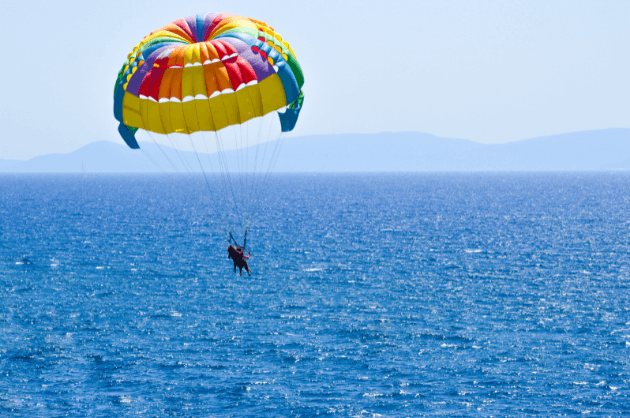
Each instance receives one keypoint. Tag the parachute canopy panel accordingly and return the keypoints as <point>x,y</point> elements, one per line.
<point>204,73</point>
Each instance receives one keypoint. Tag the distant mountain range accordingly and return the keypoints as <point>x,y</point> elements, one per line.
<point>607,149</point>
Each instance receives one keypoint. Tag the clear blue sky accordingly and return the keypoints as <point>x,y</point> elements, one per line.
<point>489,71</point>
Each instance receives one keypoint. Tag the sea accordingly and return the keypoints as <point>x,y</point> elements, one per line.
<point>371,295</point>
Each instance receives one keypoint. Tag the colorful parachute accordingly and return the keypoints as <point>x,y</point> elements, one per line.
<point>212,73</point>
<point>204,73</point>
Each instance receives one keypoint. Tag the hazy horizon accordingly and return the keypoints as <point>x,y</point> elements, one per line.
<point>143,138</point>
<point>385,152</point>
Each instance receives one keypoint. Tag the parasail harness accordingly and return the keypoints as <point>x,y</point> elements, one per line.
<point>231,240</point>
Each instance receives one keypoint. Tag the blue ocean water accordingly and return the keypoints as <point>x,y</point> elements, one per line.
<point>371,295</point>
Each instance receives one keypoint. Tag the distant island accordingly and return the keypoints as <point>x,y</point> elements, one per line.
<point>607,149</point>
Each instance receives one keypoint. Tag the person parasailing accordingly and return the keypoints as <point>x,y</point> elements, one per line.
<point>218,73</point>
<point>238,256</point>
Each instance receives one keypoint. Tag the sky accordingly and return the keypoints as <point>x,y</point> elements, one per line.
<point>488,71</point>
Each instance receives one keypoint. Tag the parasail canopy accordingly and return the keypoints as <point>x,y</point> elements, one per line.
<point>205,73</point>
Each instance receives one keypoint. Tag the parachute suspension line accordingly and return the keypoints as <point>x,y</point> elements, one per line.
<point>252,177</point>
<point>246,173</point>
<point>225,225</point>
<point>232,239</point>
<point>248,184</point>
<point>282,139</point>
<point>260,128</point>
<point>186,163</point>
<point>248,187</point>
<point>239,150</point>
<point>197,211</point>
<point>187,179</point>
<point>264,155</point>
<point>246,160</point>
<point>257,177</point>
<point>274,159</point>
<point>244,142</point>
<point>222,185</point>
<point>214,205</point>
<point>226,183</point>
<point>152,160</point>
<point>238,141</point>
<point>168,159</point>
<point>226,170</point>
<point>233,183</point>
<point>258,137</point>
<point>236,151</point>
<point>260,181</point>
<point>225,188</point>
<point>179,155</point>
<point>277,149</point>
<point>190,176</point>
<point>177,151</point>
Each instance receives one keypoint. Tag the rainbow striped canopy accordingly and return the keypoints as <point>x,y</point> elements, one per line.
<point>204,73</point>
